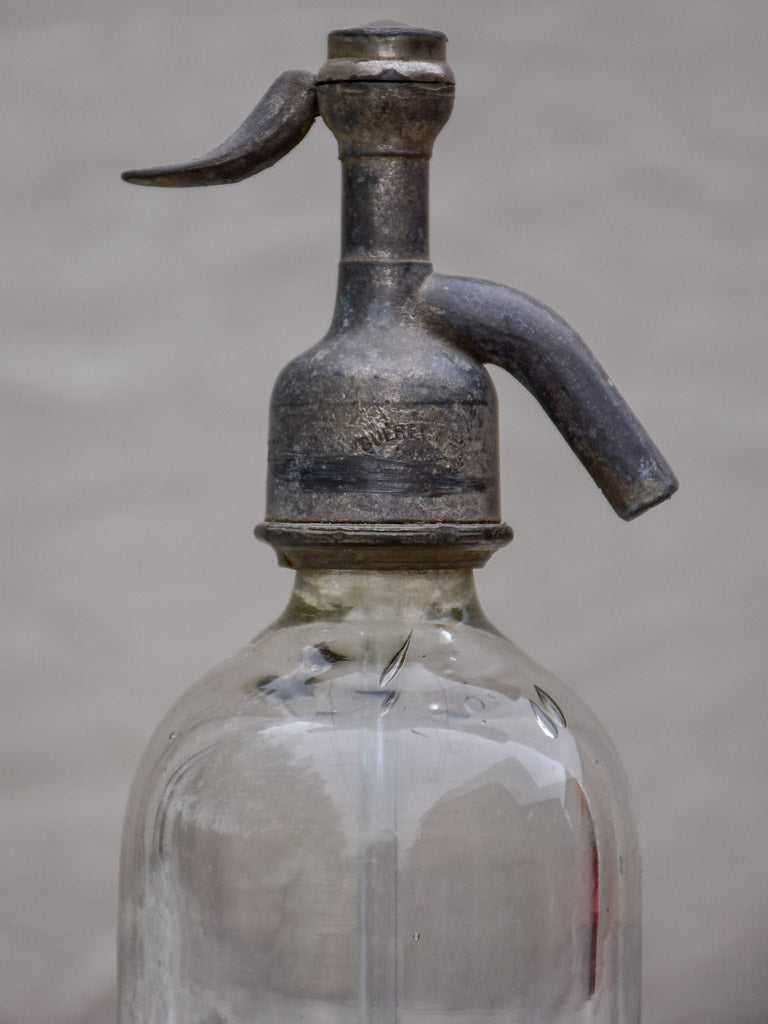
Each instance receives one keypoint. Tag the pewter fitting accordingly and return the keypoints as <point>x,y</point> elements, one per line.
<point>383,436</point>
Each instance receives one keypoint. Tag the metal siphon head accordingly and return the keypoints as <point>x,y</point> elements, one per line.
<point>383,445</point>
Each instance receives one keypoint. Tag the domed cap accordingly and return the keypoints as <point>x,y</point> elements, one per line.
<point>386,51</point>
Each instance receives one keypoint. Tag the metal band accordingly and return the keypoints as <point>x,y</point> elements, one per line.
<point>384,546</point>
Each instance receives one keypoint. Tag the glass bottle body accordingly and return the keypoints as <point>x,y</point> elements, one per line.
<point>380,812</point>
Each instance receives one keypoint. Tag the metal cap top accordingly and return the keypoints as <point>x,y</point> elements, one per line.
<point>386,51</point>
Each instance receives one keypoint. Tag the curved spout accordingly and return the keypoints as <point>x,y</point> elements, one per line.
<point>499,325</point>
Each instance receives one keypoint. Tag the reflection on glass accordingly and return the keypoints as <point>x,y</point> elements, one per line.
<point>380,812</point>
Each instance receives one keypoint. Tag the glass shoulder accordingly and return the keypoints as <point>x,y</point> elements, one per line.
<point>311,686</point>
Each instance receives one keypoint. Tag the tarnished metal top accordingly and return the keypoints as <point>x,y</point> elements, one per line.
<point>383,436</point>
<point>386,51</point>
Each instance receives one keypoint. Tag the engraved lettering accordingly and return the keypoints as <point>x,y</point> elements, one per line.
<point>390,432</point>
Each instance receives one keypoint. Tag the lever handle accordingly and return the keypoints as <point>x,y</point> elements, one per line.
<point>498,325</point>
<point>278,123</point>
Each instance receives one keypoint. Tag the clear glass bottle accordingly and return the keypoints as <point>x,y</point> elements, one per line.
<point>380,812</point>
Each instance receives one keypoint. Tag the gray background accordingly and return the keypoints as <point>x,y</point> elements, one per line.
<point>610,159</point>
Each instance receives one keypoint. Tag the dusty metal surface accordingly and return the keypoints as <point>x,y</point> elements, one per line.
<point>502,326</point>
<point>278,122</point>
<point>383,437</point>
<point>382,546</point>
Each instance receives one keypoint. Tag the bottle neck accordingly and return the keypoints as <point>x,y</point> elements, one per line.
<point>385,130</point>
<point>385,208</point>
<point>384,239</point>
<point>405,596</point>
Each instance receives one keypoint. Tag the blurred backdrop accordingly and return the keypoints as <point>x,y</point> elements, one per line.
<point>608,159</point>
